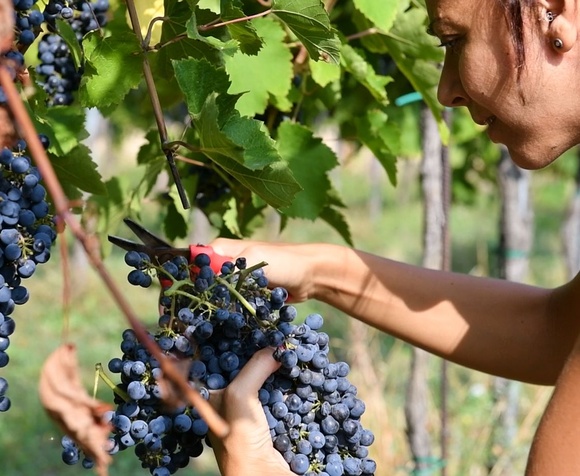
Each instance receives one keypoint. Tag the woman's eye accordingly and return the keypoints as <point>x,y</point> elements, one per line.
<point>449,45</point>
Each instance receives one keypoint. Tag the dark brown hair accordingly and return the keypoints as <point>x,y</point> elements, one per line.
<point>514,10</point>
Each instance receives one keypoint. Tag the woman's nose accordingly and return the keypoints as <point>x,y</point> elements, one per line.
<point>450,92</point>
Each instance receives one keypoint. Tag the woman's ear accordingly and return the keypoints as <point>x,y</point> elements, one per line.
<point>559,23</point>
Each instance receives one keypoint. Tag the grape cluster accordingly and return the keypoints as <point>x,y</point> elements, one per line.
<point>26,236</point>
<point>215,320</point>
<point>211,186</point>
<point>27,21</point>
<point>58,74</point>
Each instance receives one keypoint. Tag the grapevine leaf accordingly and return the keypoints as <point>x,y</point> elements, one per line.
<point>310,160</point>
<point>324,73</point>
<point>228,47</point>
<point>72,193</point>
<point>337,221</point>
<point>240,138</point>
<point>115,67</point>
<point>382,137</point>
<point>212,5</point>
<point>111,209</point>
<point>64,126</point>
<point>174,225</point>
<point>151,149</point>
<point>275,183</point>
<point>180,13</point>
<point>153,169</point>
<point>230,218</point>
<point>198,79</point>
<point>381,14</point>
<point>364,73</point>
<point>244,32</point>
<point>77,168</point>
<point>68,126</point>
<point>415,55</point>
<point>271,67</point>
<point>152,157</point>
<point>309,21</point>
<point>70,38</point>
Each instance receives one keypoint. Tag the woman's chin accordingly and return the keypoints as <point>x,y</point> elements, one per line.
<point>534,157</point>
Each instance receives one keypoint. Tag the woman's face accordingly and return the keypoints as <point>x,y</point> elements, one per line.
<point>536,116</point>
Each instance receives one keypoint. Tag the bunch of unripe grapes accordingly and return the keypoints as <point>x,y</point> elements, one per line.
<point>214,322</point>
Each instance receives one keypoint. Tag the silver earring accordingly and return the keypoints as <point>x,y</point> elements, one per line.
<point>558,43</point>
<point>549,17</point>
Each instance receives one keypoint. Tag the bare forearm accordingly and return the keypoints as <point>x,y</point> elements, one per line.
<point>495,326</point>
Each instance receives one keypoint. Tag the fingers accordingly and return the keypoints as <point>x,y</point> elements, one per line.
<point>229,247</point>
<point>254,373</point>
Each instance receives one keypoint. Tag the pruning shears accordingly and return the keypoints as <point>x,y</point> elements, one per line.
<point>161,251</point>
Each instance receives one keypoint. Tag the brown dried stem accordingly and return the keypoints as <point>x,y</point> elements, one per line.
<point>156,104</point>
<point>90,245</point>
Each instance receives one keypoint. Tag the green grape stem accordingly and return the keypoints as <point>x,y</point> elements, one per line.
<point>238,296</point>
<point>101,373</point>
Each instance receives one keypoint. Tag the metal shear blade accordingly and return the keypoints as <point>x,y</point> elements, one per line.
<point>155,247</point>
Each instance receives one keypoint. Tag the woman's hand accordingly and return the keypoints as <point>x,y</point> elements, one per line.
<point>291,266</point>
<point>247,450</point>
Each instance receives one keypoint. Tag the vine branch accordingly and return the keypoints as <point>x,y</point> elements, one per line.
<point>157,110</point>
<point>211,26</point>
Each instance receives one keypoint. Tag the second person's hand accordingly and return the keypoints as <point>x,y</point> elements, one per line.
<point>248,449</point>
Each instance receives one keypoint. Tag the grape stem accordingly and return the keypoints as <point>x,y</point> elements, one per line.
<point>236,293</point>
<point>99,372</point>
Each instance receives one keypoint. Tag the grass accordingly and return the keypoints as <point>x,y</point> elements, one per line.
<point>391,225</point>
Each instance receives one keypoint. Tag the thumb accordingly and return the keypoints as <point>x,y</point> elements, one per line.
<point>252,375</point>
<point>228,246</point>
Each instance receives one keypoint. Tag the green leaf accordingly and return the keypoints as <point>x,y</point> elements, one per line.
<point>174,225</point>
<point>244,32</point>
<point>151,150</point>
<point>310,161</point>
<point>78,169</point>
<point>381,13</point>
<point>212,5</point>
<point>364,73</point>
<point>275,183</point>
<point>182,21</point>
<point>70,38</point>
<point>152,157</point>
<point>309,21</point>
<point>337,221</point>
<point>242,139</point>
<point>198,79</point>
<point>382,137</point>
<point>114,67</point>
<point>259,150</point>
<point>271,68</point>
<point>324,73</point>
<point>416,56</point>
<point>230,217</point>
<point>227,47</point>
<point>64,126</point>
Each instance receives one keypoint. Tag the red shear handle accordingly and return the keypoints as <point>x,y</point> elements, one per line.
<point>216,260</point>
